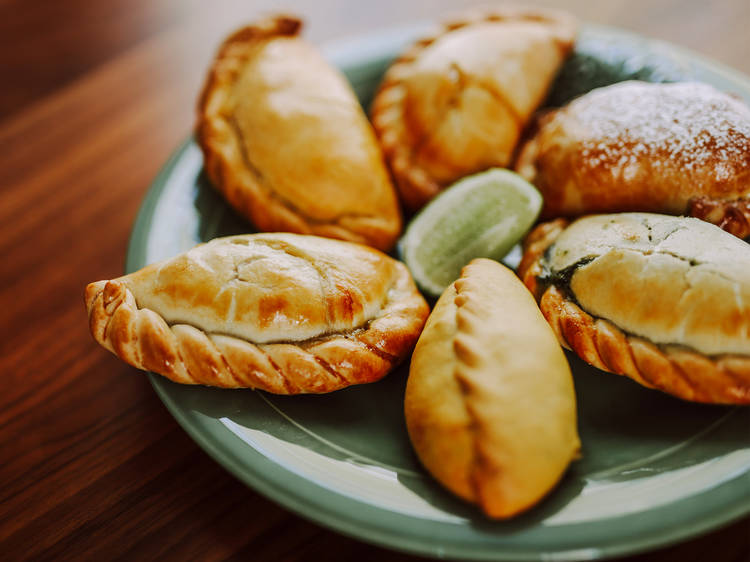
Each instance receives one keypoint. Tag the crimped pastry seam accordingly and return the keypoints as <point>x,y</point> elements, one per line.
<point>227,165</point>
<point>676,370</point>
<point>414,183</point>
<point>732,216</point>
<point>188,355</point>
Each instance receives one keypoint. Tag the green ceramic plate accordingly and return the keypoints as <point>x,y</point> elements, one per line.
<point>655,470</point>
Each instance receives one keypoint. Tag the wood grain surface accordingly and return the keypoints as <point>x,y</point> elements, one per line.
<point>94,98</point>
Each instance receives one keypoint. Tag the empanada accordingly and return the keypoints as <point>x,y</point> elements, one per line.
<point>664,300</point>
<point>455,103</point>
<point>283,312</point>
<point>490,405</point>
<point>636,146</point>
<point>286,142</point>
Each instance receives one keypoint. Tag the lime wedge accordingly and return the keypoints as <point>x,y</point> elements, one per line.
<point>480,216</point>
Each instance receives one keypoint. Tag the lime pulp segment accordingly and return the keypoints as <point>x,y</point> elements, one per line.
<point>483,215</point>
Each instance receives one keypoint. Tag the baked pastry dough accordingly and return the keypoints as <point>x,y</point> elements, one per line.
<point>664,300</point>
<point>732,216</point>
<point>636,146</point>
<point>284,313</point>
<point>455,103</point>
<point>286,142</point>
<point>490,406</point>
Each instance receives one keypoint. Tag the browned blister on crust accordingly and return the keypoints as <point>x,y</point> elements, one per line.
<point>680,148</point>
<point>693,339</point>
<point>286,142</point>
<point>732,216</point>
<point>341,314</point>
<point>455,102</point>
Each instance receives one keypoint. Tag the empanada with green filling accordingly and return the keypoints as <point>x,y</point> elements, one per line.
<point>664,300</point>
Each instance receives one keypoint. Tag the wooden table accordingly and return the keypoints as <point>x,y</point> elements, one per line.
<point>94,97</point>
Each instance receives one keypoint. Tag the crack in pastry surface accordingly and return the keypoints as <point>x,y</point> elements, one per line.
<point>676,318</point>
<point>274,271</point>
<point>631,259</point>
<point>349,314</point>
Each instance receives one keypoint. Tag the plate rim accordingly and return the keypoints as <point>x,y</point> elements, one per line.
<point>321,513</point>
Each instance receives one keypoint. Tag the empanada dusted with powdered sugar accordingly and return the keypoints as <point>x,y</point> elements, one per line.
<point>680,148</point>
<point>286,142</point>
<point>456,102</point>
<point>664,300</point>
<point>281,312</point>
<point>490,405</point>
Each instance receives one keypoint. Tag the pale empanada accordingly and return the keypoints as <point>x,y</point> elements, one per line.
<point>455,103</point>
<point>664,300</point>
<point>286,142</point>
<point>635,146</point>
<point>490,405</point>
<point>283,312</point>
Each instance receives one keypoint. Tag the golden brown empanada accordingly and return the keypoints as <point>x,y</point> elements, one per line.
<point>636,146</point>
<point>490,405</point>
<point>286,142</point>
<point>664,300</point>
<point>455,103</point>
<point>283,312</point>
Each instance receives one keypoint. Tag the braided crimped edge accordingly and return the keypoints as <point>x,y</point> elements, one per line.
<point>732,216</point>
<point>676,370</point>
<point>225,164</point>
<point>482,470</point>
<point>416,186</point>
<point>188,355</point>
<point>485,476</point>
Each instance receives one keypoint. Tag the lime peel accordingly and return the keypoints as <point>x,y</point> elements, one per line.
<point>483,215</point>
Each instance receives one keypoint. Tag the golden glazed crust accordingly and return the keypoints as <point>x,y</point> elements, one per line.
<point>662,300</point>
<point>636,146</point>
<point>455,102</point>
<point>283,313</point>
<point>490,406</point>
<point>286,142</point>
<point>732,216</point>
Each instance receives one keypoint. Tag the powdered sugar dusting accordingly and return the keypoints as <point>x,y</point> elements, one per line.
<point>688,125</point>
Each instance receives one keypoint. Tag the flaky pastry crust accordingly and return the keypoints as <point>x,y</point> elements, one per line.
<point>678,370</point>
<point>318,326</point>
<point>456,101</point>
<point>489,404</point>
<point>286,142</point>
<point>680,148</point>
